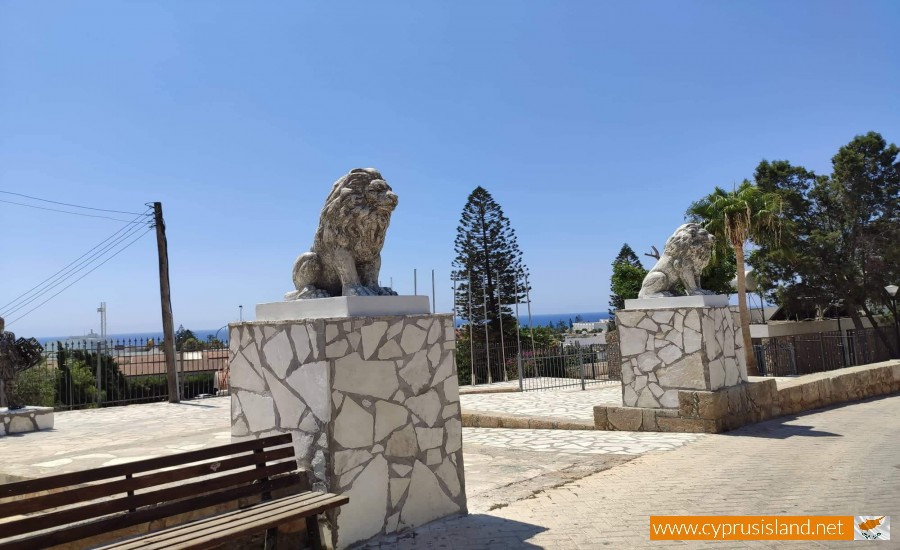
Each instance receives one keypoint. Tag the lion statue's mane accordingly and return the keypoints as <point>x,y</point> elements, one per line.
<point>686,253</point>
<point>345,258</point>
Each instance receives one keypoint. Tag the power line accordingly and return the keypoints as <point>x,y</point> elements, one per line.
<point>80,266</point>
<point>68,204</point>
<point>82,277</point>
<point>27,292</point>
<point>65,211</point>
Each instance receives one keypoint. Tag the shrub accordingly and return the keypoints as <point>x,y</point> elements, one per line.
<point>36,386</point>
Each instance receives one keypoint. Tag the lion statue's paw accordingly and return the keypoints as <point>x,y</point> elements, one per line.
<point>359,290</point>
<point>308,292</point>
<point>385,291</point>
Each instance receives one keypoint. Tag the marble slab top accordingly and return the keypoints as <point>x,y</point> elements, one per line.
<point>343,306</point>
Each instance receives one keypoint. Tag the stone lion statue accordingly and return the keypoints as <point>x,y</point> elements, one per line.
<point>345,258</point>
<point>685,255</point>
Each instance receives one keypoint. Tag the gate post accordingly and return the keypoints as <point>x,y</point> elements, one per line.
<point>581,365</point>
<point>99,378</point>
<point>519,365</point>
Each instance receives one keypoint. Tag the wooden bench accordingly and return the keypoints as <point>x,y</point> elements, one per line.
<point>71,507</point>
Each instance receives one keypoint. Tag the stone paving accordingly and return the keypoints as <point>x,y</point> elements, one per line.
<point>542,489</point>
<point>100,437</point>
<point>837,461</point>
<point>562,403</point>
<point>577,442</point>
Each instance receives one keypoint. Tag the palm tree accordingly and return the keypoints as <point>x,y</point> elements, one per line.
<point>746,213</point>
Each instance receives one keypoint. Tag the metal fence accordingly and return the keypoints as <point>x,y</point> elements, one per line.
<point>823,351</point>
<point>88,374</point>
<point>541,368</point>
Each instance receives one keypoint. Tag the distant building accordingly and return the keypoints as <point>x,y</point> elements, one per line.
<point>585,339</point>
<point>591,327</point>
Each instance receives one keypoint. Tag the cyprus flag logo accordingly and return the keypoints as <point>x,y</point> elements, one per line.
<point>871,527</point>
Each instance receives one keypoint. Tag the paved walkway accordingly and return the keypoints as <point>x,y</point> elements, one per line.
<point>102,437</point>
<point>837,461</point>
<point>562,403</point>
<point>577,441</point>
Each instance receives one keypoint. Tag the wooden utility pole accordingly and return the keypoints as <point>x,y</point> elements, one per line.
<point>166,301</point>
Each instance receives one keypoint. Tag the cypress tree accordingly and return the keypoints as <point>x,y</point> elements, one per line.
<point>486,248</point>
<point>627,276</point>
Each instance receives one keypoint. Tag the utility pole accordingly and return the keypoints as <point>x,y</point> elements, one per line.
<point>166,301</point>
<point>102,311</point>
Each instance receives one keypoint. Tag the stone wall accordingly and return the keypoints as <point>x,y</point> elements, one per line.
<point>373,404</point>
<point>730,408</point>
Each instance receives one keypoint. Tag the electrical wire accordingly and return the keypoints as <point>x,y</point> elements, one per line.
<point>68,204</point>
<point>68,275</point>
<point>82,277</point>
<point>66,211</point>
<point>5,307</point>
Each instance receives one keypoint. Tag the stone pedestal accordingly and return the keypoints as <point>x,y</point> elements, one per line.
<point>668,346</point>
<point>26,419</point>
<point>373,404</point>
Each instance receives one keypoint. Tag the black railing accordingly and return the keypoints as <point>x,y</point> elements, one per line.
<point>539,368</point>
<point>823,351</point>
<point>78,374</point>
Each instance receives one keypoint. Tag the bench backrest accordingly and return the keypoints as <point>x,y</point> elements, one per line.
<point>83,504</point>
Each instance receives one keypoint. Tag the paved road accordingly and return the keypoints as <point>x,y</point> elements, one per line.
<point>838,461</point>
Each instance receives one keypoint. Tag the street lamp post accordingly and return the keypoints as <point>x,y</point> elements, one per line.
<point>892,292</point>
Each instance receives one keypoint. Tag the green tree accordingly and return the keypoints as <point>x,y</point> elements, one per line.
<point>78,369</point>
<point>489,270</point>
<point>747,213</point>
<point>844,246</point>
<point>718,275</point>
<point>183,335</point>
<point>627,276</point>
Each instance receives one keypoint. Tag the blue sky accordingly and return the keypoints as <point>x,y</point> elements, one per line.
<point>591,123</point>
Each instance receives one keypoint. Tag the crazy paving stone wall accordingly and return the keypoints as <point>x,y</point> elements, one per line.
<point>373,404</point>
<point>666,350</point>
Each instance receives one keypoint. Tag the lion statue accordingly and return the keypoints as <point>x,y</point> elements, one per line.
<point>346,253</point>
<point>685,255</point>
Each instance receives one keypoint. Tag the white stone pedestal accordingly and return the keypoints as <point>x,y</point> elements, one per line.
<point>26,419</point>
<point>677,347</point>
<point>373,405</point>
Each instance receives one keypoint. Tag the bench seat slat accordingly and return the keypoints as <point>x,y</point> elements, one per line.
<point>58,481</point>
<point>256,518</point>
<point>93,492</point>
<point>215,539</point>
<point>71,533</point>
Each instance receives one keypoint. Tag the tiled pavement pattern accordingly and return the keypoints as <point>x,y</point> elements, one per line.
<point>97,437</point>
<point>837,461</point>
<point>100,437</point>
<point>577,442</point>
<point>566,403</point>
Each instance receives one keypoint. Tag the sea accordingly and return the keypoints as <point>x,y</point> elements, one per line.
<point>537,319</point>
<point>544,319</point>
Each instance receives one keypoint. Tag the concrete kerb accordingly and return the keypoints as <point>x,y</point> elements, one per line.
<point>489,420</point>
<point>747,403</point>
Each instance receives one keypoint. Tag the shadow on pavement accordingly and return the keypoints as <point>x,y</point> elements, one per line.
<point>472,531</point>
<point>778,428</point>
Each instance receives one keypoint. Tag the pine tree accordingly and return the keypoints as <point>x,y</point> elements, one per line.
<point>627,276</point>
<point>487,258</point>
